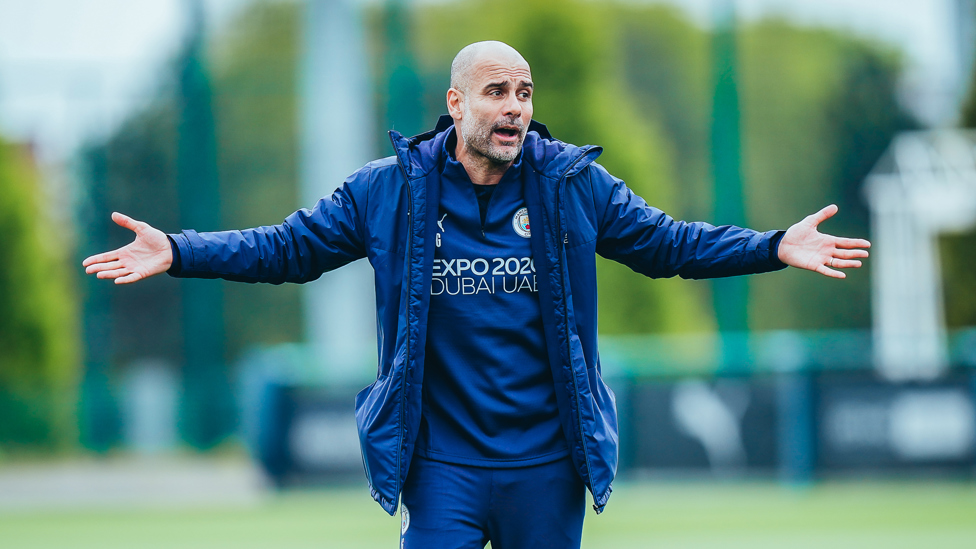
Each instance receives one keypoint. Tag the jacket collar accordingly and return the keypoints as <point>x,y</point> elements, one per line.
<point>421,153</point>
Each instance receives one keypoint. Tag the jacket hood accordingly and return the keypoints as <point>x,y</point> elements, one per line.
<point>549,156</point>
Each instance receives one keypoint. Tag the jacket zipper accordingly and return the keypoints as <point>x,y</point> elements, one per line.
<point>569,353</point>
<point>403,385</point>
<point>487,208</point>
<point>406,363</point>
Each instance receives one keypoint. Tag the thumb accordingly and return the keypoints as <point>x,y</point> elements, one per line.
<point>823,215</point>
<point>125,221</point>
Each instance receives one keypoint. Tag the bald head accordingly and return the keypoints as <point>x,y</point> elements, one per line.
<point>468,59</point>
<point>491,102</point>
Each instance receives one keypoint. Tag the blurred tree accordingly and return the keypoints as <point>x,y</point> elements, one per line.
<point>253,72</point>
<point>667,70</point>
<point>207,414</point>
<point>38,332</point>
<point>819,110</point>
<point>254,83</point>
<point>140,180</point>
<point>397,83</point>
<point>132,172</point>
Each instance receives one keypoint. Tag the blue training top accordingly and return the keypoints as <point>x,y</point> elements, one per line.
<point>488,396</point>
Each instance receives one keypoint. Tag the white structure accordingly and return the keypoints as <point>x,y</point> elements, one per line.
<point>924,185</point>
<point>149,406</point>
<point>337,123</point>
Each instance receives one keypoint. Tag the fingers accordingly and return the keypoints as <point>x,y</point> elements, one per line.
<point>103,266</point>
<point>823,214</point>
<point>100,258</point>
<point>113,273</point>
<point>829,268</point>
<point>125,221</point>
<point>851,243</point>
<point>121,276</point>
<point>114,270</point>
<point>845,264</point>
<point>850,254</point>
<point>827,271</point>
<point>129,278</point>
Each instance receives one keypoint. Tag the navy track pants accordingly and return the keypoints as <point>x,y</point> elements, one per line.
<point>447,506</point>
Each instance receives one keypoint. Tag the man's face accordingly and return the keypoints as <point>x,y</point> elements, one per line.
<point>496,109</point>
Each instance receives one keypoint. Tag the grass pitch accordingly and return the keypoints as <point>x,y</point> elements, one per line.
<point>892,515</point>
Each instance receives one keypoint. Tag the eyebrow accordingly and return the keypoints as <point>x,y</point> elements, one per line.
<point>504,84</point>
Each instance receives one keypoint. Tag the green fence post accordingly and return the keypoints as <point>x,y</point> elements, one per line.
<point>98,414</point>
<point>207,414</point>
<point>729,295</point>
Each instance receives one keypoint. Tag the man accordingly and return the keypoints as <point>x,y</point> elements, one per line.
<point>488,391</point>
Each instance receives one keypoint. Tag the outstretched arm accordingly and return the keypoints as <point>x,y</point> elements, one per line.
<point>149,254</point>
<point>805,247</point>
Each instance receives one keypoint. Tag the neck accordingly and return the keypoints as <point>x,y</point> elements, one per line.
<point>481,169</point>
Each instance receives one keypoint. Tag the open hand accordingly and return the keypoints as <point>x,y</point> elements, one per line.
<point>149,254</point>
<point>805,247</point>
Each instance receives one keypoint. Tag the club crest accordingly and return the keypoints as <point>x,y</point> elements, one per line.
<point>521,223</point>
<point>404,519</point>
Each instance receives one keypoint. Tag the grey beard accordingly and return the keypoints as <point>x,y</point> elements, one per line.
<point>480,141</point>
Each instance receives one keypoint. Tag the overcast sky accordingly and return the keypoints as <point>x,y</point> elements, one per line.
<point>72,69</point>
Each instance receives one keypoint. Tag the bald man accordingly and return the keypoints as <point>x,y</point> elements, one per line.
<point>488,419</point>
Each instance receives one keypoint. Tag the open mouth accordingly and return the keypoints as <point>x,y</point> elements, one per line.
<point>507,133</point>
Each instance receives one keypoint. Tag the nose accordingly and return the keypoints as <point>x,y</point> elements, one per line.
<point>513,107</point>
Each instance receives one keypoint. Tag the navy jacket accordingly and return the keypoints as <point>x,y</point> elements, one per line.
<point>386,212</point>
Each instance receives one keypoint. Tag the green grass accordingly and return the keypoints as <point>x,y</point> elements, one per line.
<point>649,515</point>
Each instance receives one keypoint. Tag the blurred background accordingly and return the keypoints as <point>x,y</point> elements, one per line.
<point>780,409</point>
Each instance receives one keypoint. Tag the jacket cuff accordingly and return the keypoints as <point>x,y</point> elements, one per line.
<point>182,254</point>
<point>175,266</point>
<point>774,240</point>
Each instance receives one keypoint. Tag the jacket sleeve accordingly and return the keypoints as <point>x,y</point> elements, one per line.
<point>307,244</point>
<point>654,244</point>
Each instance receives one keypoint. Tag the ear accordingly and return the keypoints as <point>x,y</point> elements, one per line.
<point>455,100</point>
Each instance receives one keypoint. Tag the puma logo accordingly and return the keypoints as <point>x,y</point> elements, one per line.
<point>440,223</point>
